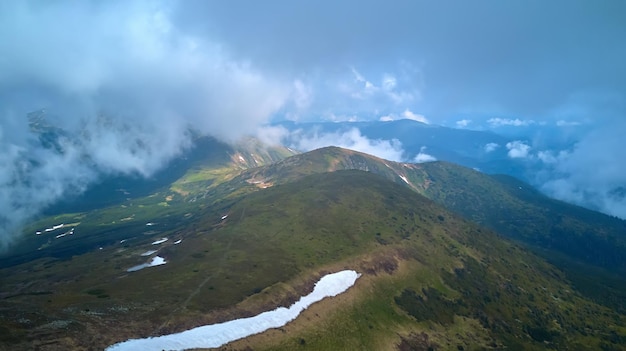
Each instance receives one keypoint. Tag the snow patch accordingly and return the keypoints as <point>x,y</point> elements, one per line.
<point>160,241</point>
<point>54,227</point>
<point>178,241</point>
<point>148,253</point>
<point>216,335</point>
<point>404,178</point>
<point>70,232</point>
<point>156,261</point>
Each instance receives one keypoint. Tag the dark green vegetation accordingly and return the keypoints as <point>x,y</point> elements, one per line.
<point>588,246</point>
<point>431,280</point>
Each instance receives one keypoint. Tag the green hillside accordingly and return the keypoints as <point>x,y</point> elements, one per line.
<point>510,207</point>
<point>131,201</point>
<point>430,279</point>
<point>588,246</point>
<point>208,161</point>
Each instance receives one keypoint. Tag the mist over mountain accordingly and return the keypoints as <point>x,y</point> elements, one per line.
<point>561,165</point>
<point>130,83</point>
<point>232,241</point>
<point>171,165</point>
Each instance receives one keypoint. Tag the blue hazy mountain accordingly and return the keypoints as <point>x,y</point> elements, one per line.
<point>462,146</point>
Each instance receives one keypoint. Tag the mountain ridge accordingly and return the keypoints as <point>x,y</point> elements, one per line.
<point>450,184</point>
<point>430,278</point>
<point>237,245</point>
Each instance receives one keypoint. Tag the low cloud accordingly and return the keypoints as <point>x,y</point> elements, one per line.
<point>463,123</point>
<point>499,122</point>
<point>122,87</point>
<point>422,156</point>
<point>349,139</point>
<point>518,149</point>
<point>551,157</point>
<point>407,114</point>
<point>491,147</point>
<point>564,123</point>
<point>592,173</point>
<point>272,135</point>
<point>414,116</point>
<point>389,89</point>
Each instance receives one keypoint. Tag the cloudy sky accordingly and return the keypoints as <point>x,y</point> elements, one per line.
<point>128,79</point>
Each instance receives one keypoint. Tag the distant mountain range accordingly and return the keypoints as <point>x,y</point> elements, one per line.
<point>451,258</point>
<point>482,150</point>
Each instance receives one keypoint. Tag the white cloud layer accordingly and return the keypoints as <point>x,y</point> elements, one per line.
<point>350,139</point>
<point>491,147</point>
<point>125,84</point>
<point>463,123</point>
<point>408,114</point>
<point>499,122</point>
<point>518,149</point>
<point>422,156</point>
<point>593,173</point>
<point>564,123</point>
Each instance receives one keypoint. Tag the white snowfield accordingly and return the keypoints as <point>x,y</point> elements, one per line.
<point>156,261</point>
<point>148,253</point>
<point>160,241</point>
<point>216,335</point>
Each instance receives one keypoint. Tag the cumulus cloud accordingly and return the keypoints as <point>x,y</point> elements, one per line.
<point>122,86</point>
<point>422,156</point>
<point>490,147</point>
<point>552,157</point>
<point>564,123</point>
<point>463,123</point>
<point>391,90</point>
<point>408,114</point>
<point>498,122</point>
<point>518,149</point>
<point>349,139</point>
<point>592,173</point>
<point>272,135</point>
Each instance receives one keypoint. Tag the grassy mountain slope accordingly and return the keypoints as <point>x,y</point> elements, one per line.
<point>587,245</point>
<point>208,160</point>
<point>208,164</point>
<point>502,203</point>
<point>430,279</point>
